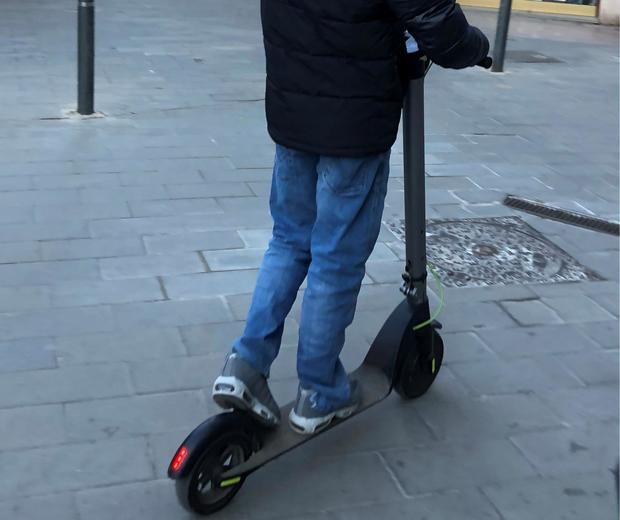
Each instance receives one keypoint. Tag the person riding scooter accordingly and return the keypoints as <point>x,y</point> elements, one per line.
<point>334,96</point>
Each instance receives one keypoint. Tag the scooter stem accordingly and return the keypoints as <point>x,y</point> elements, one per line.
<point>414,177</point>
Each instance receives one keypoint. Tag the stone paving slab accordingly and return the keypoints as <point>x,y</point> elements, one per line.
<point>133,416</point>
<point>420,470</point>
<point>40,508</point>
<point>27,354</point>
<point>372,484</point>
<point>569,451</point>
<point>579,406</point>
<point>24,298</point>
<point>604,333</point>
<point>154,499</point>
<point>22,427</point>
<point>140,344</point>
<point>466,504</point>
<point>90,248</point>
<point>99,293</point>
<point>571,498</point>
<point>209,240</point>
<point>516,375</point>
<point>130,245</point>
<point>73,467</point>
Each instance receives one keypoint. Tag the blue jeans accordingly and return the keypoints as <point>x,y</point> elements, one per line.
<point>327,216</point>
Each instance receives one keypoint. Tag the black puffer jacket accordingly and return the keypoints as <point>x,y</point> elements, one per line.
<point>333,67</point>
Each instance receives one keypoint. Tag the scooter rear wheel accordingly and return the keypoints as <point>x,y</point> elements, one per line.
<point>201,491</point>
<point>419,370</point>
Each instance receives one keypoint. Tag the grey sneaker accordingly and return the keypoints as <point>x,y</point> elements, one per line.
<point>242,387</point>
<point>305,418</point>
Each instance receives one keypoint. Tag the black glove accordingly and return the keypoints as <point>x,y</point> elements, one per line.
<point>468,52</point>
<point>442,32</point>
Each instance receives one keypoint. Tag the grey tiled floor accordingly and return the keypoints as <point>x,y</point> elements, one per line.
<point>129,246</point>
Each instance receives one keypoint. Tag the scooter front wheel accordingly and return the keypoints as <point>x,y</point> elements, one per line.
<point>419,369</point>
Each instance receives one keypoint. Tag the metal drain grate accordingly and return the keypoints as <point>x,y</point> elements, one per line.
<point>484,252</point>
<point>562,215</point>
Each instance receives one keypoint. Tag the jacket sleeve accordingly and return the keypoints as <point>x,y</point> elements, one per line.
<point>442,32</point>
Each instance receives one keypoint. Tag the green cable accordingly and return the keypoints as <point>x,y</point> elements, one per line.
<point>441,301</point>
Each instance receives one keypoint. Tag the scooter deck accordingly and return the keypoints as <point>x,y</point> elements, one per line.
<point>375,387</point>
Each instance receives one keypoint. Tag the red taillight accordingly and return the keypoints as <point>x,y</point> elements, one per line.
<point>179,458</point>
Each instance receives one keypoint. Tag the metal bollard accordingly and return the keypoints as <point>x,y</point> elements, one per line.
<point>86,57</point>
<point>503,21</point>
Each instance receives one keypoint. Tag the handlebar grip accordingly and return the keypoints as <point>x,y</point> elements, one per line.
<point>486,63</point>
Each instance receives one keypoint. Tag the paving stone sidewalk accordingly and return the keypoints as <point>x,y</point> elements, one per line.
<point>129,246</point>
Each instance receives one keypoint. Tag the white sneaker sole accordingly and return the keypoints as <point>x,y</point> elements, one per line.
<point>232,393</point>
<point>312,425</point>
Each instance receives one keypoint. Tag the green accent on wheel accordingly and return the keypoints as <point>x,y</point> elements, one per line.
<point>230,482</point>
<point>433,366</point>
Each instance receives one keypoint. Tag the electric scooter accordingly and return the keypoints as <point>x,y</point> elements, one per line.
<point>211,465</point>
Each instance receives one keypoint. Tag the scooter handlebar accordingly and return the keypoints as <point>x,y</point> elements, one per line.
<point>486,63</point>
<point>418,65</point>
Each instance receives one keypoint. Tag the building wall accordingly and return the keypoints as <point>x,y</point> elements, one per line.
<point>609,12</point>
